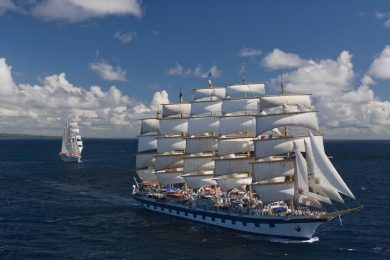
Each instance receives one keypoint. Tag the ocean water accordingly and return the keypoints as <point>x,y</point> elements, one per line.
<point>55,210</point>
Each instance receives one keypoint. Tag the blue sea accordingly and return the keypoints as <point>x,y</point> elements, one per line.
<point>55,210</point>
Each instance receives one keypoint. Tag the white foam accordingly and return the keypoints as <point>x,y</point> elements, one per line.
<point>291,241</point>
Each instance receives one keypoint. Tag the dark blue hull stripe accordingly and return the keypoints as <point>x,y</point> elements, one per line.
<point>200,214</point>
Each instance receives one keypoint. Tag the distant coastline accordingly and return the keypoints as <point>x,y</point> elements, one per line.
<point>27,136</point>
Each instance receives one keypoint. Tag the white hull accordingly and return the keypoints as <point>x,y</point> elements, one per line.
<point>292,227</point>
<point>67,158</point>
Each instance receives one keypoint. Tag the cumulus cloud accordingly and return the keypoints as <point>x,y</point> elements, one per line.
<point>6,5</point>
<point>345,111</point>
<point>380,68</point>
<point>107,71</point>
<point>125,37</point>
<point>356,113</point>
<point>81,10</point>
<point>197,72</point>
<point>324,78</point>
<point>249,52</point>
<point>43,108</point>
<point>279,59</point>
<point>385,17</point>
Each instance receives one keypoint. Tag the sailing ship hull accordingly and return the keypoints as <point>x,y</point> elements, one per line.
<point>67,158</point>
<point>292,227</point>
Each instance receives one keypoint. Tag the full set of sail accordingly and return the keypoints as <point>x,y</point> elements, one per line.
<point>72,145</point>
<point>236,137</point>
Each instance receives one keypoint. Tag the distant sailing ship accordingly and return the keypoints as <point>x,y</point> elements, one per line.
<point>239,159</point>
<point>72,145</point>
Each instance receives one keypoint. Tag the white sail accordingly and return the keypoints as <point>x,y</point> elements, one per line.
<point>206,108</point>
<point>301,119</point>
<point>264,170</point>
<point>72,145</point>
<point>277,146</point>
<point>308,201</point>
<point>235,145</point>
<point>329,192</point>
<point>145,160</point>
<point>267,102</point>
<point>173,126</point>
<point>327,169</point>
<point>245,106</point>
<point>301,179</point>
<point>245,90</point>
<point>170,161</point>
<point>170,144</point>
<point>150,125</point>
<point>73,127</point>
<point>237,124</point>
<point>201,144</point>
<point>232,165</point>
<point>273,192</point>
<point>227,183</point>
<point>198,181</point>
<point>147,175</point>
<point>64,149</point>
<point>273,180</point>
<point>80,144</point>
<point>181,109</point>
<point>168,178</point>
<point>203,125</point>
<point>209,93</point>
<point>147,143</point>
<point>198,164</point>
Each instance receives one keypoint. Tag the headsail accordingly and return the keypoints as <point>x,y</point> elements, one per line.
<point>327,169</point>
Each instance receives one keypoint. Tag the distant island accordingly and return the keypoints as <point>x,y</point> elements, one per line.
<point>25,136</point>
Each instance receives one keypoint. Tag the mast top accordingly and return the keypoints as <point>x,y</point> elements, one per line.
<point>181,97</point>
<point>209,80</point>
<point>282,87</point>
<point>243,73</point>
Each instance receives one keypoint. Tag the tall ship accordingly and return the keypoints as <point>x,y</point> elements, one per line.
<point>72,145</point>
<point>236,158</point>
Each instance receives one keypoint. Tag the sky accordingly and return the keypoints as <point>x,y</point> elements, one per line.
<point>107,63</point>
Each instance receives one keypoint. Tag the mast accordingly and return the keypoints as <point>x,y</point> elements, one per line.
<point>282,90</point>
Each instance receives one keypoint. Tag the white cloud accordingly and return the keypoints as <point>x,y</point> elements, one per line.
<point>108,72</point>
<point>323,78</point>
<point>249,52</point>
<point>215,72</point>
<point>42,109</point>
<point>385,17</point>
<point>6,5</point>
<point>125,37</point>
<point>380,68</point>
<point>345,111</point>
<point>81,10</point>
<point>279,59</point>
<point>177,70</point>
<point>197,72</point>
<point>356,113</point>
